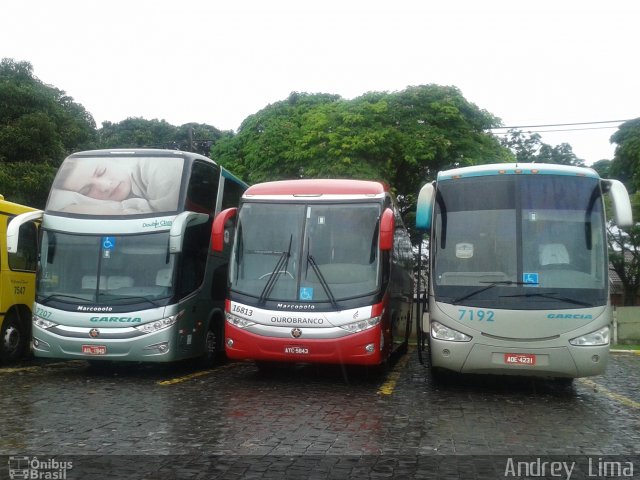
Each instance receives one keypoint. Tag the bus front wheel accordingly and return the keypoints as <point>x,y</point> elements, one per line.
<point>13,340</point>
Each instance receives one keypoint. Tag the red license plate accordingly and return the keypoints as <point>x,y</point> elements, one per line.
<point>94,349</point>
<point>296,350</point>
<point>519,359</point>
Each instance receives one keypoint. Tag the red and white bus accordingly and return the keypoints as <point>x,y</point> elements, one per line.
<point>320,272</point>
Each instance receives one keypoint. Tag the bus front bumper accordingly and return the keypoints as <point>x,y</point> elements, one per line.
<point>160,346</point>
<point>551,361</point>
<point>362,348</point>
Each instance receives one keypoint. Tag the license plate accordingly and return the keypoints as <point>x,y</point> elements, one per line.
<point>94,349</point>
<point>519,359</point>
<point>296,350</point>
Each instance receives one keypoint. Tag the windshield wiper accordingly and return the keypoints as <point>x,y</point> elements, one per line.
<point>491,285</point>
<point>323,281</point>
<point>133,297</point>
<point>46,300</point>
<point>553,296</point>
<point>281,264</point>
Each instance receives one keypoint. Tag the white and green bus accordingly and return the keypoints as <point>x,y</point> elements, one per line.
<point>125,270</point>
<point>518,269</point>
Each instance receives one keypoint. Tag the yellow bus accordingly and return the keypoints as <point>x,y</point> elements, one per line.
<point>17,283</point>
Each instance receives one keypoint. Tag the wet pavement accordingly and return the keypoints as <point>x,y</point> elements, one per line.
<point>236,421</point>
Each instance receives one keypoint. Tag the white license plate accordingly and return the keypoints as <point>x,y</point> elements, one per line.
<point>295,350</point>
<point>519,359</point>
<point>94,349</point>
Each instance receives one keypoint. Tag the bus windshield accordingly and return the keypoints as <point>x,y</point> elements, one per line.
<point>105,270</point>
<point>306,252</point>
<point>519,242</point>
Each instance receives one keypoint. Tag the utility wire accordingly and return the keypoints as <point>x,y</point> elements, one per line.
<point>560,130</point>
<point>561,124</point>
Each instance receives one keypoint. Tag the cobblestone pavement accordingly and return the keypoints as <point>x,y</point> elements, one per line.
<point>236,421</point>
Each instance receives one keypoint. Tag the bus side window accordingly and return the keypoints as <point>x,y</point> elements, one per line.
<point>26,257</point>
<point>232,192</point>
<point>202,191</point>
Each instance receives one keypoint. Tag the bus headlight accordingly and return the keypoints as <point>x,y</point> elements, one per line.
<point>238,321</point>
<point>361,325</point>
<point>441,332</point>
<point>42,323</point>
<point>599,337</point>
<point>159,324</point>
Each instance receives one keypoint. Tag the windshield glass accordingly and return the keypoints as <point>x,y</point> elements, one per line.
<point>105,270</point>
<point>311,253</point>
<point>534,241</point>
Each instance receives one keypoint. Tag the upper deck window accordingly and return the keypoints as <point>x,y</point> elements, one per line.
<point>117,185</point>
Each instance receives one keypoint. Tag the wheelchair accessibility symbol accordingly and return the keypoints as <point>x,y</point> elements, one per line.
<point>108,243</point>
<point>306,293</point>
<point>530,279</point>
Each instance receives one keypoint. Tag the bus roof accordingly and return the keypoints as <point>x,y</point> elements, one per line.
<point>147,152</point>
<point>517,168</point>
<point>227,174</point>
<point>317,188</point>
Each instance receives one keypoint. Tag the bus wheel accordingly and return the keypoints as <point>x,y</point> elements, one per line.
<point>13,341</point>
<point>213,351</point>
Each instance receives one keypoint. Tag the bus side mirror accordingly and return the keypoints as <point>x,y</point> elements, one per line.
<point>424,207</point>
<point>218,238</point>
<point>387,227</point>
<point>13,229</point>
<point>620,202</point>
<point>179,226</point>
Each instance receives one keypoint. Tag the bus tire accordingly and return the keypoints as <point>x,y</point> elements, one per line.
<point>13,340</point>
<point>213,348</point>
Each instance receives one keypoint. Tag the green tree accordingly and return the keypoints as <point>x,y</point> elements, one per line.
<point>560,154</point>
<point>624,255</point>
<point>136,132</point>
<point>624,246</point>
<point>403,138</point>
<point>626,160</point>
<point>529,147</point>
<point>26,183</point>
<point>139,132</point>
<point>39,126</point>
<point>38,123</point>
<point>268,145</point>
<point>602,167</point>
<point>525,147</point>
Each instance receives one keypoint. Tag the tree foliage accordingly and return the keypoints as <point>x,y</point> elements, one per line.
<point>26,183</point>
<point>624,254</point>
<point>402,138</point>
<point>138,132</point>
<point>38,123</point>
<point>39,126</point>
<point>602,167</point>
<point>624,246</point>
<point>529,148</point>
<point>626,160</point>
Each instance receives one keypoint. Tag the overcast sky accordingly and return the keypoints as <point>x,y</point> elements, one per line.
<point>527,62</point>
